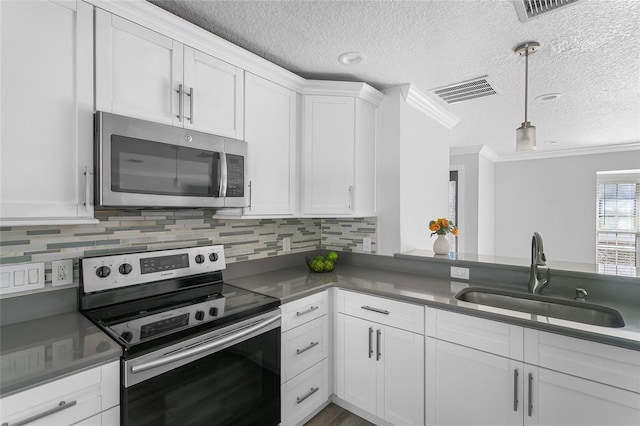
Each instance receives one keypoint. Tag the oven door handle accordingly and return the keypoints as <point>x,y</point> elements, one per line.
<point>204,347</point>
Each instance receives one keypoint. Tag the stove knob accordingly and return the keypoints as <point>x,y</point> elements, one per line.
<point>125,268</point>
<point>213,257</point>
<point>213,312</point>
<point>103,271</point>
<point>127,335</point>
<point>199,258</point>
<point>200,315</point>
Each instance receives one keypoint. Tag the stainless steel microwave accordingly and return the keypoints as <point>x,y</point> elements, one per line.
<point>140,164</point>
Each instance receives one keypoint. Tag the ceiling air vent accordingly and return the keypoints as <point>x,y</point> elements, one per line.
<point>528,9</point>
<point>465,90</point>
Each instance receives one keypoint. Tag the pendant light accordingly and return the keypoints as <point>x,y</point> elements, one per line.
<point>526,133</point>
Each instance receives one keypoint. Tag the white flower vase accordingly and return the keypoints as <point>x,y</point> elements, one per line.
<point>441,245</point>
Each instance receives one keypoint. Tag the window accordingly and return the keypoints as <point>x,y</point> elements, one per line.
<point>618,222</point>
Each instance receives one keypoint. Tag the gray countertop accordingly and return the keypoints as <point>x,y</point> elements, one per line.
<point>38,351</point>
<point>297,282</point>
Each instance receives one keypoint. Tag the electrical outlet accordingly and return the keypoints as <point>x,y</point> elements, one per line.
<point>62,272</point>
<point>286,245</point>
<point>460,273</point>
<point>366,245</point>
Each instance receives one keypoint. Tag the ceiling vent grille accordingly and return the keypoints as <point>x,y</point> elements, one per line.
<point>466,90</point>
<point>528,9</point>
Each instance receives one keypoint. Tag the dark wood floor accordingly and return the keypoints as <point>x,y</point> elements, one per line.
<point>332,415</point>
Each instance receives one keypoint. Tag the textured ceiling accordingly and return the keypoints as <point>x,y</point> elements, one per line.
<point>590,53</point>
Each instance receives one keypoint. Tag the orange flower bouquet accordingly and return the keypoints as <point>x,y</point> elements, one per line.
<point>442,226</point>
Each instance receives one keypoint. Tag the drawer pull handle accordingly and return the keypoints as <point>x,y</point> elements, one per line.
<point>311,309</point>
<point>530,394</point>
<point>380,311</point>
<point>515,389</point>
<point>299,351</point>
<point>300,399</point>
<point>62,405</point>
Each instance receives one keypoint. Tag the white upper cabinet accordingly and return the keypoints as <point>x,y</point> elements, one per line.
<point>270,132</point>
<point>214,93</point>
<point>46,113</point>
<point>339,145</point>
<point>144,74</point>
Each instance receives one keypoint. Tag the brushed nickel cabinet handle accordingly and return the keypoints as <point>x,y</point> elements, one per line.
<point>180,102</point>
<point>379,354</point>
<point>311,345</point>
<point>530,394</point>
<point>302,398</point>
<point>370,342</point>
<point>515,389</point>
<point>62,405</point>
<point>190,95</point>
<point>311,309</point>
<point>380,311</point>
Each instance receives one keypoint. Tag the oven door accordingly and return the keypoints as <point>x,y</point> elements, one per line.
<point>144,164</point>
<point>229,376</point>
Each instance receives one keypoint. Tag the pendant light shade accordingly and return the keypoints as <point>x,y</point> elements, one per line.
<point>526,133</point>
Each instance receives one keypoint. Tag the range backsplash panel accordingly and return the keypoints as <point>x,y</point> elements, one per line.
<point>138,230</point>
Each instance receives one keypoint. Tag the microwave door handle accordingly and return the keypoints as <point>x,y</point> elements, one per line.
<point>223,177</point>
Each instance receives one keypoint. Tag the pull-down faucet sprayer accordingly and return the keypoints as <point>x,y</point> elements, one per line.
<point>539,273</point>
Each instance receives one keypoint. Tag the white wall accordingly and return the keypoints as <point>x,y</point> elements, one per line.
<point>476,204</point>
<point>388,175</point>
<point>556,197</point>
<point>412,175</point>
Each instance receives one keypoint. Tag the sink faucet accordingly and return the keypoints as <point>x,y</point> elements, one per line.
<point>539,274</point>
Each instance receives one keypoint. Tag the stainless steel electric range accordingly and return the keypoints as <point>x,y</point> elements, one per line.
<point>196,350</point>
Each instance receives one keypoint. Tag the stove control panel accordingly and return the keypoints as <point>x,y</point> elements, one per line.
<point>122,270</point>
<point>164,322</point>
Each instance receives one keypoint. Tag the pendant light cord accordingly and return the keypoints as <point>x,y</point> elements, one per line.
<point>526,82</point>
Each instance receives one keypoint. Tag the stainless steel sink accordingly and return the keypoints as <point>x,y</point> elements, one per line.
<point>583,312</point>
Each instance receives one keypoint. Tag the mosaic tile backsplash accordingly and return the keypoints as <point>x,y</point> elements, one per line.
<point>139,230</point>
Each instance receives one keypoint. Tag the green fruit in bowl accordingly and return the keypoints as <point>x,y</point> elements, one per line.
<point>317,265</point>
<point>328,265</point>
<point>332,256</point>
<point>318,258</point>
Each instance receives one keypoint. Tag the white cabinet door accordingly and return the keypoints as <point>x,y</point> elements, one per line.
<point>401,367</point>
<point>216,103</point>
<point>138,71</point>
<point>329,154</point>
<point>356,362</point>
<point>562,399</point>
<point>380,369</point>
<point>46,112</point>
<point>270,132</point>
<point>465,386</point>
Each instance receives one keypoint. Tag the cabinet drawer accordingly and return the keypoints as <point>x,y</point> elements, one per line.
<point>478,333</point>
<point>305,393</point>
<point>304,310</point>
<point>304,346</point>
<point>602,363</point>
<point>403,315</point>
<point>68,401</point>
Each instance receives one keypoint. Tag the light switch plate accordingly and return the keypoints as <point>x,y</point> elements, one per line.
<point>23,277</point>
<point>286,244</point>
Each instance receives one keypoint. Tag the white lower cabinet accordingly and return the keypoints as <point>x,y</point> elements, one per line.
<point>466,386</point>
<point>90,397</point>
<point>482,372</point>
<point>379,368</point>
<point>305,358</point>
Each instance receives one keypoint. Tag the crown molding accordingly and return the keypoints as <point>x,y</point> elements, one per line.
<point>154,18</point>
<point>429,105</point>
<point>343,88</point>
<point>602,149</point>
<point>483,150</point>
